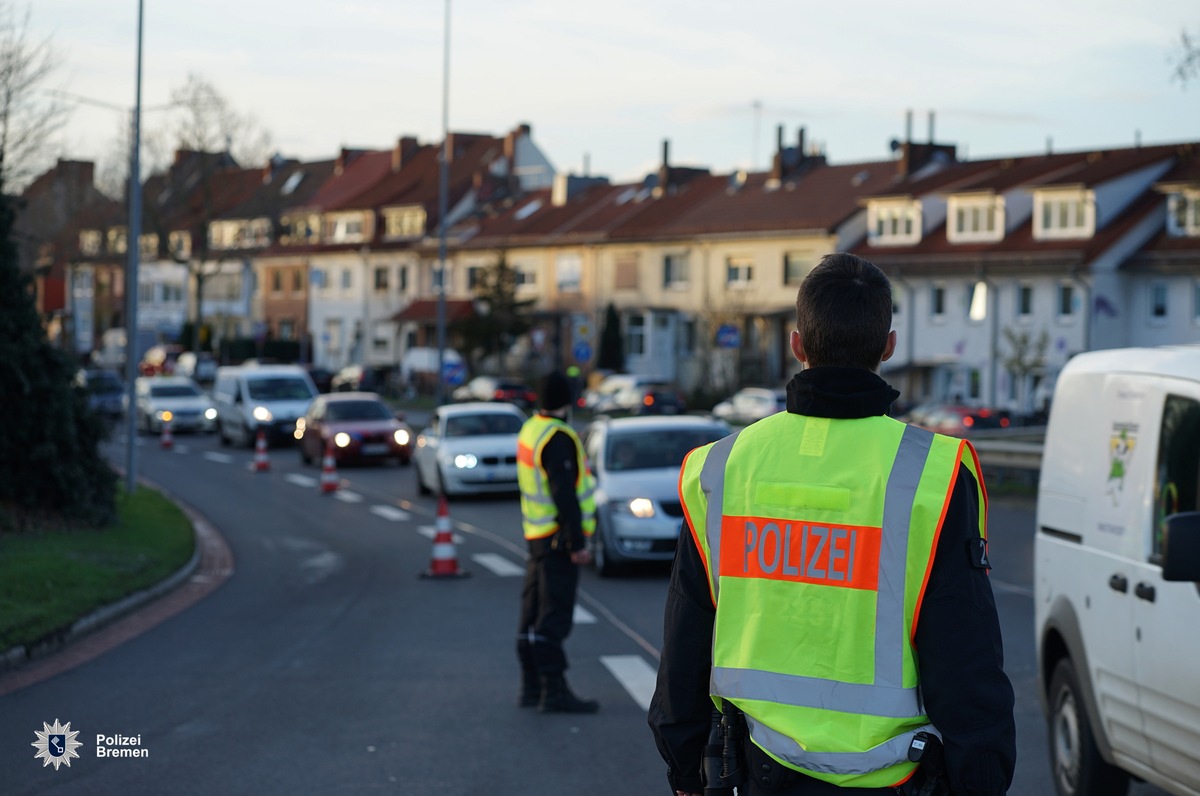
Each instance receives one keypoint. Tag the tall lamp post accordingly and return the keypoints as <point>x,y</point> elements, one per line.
<point>132,247</point>
<point>443,181</point>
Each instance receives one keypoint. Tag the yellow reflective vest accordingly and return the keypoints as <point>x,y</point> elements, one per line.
<point>540,517</point>
<point>818,536</point>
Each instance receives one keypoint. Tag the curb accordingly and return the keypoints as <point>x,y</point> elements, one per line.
<point>105,615</point>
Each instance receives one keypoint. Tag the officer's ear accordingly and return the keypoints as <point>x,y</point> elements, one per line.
<point>798,348</point>
<point>890,348</point>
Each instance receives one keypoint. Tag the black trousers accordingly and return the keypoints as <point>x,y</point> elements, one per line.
<point>547,609</point>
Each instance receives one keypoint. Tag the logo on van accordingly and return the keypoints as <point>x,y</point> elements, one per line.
<point>1120,446</point>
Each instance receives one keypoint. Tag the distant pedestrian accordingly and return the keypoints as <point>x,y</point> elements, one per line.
<point>559,514</point>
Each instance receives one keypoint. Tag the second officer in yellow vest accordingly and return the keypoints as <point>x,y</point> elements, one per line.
<point>558,512</point>
<point>831,583</point>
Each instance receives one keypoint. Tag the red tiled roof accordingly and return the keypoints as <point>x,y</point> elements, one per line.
<point>425,311</point>
<point>363,171</point>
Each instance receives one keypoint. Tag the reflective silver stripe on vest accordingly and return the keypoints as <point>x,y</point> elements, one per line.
<point>887,696</point>
<point>712,483</point>
<point>887,754</point>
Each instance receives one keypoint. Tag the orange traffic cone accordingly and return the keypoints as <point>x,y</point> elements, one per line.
<point>445,560</point>
<point>329,477</point>
<point>261,463</point>
<point>166,440</point>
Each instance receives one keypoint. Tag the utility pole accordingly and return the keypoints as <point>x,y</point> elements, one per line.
<point>443,182</point>
<point>133,251</point>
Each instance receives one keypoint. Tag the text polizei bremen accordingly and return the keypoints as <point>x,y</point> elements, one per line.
<point>120,746</point>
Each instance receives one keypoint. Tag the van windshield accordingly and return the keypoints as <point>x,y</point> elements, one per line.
<point>278,388</point>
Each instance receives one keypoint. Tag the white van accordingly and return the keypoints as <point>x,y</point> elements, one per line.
<point>1117,566</point>
<point>266,397</point>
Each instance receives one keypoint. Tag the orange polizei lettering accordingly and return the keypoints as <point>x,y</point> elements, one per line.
<point>796,550</point>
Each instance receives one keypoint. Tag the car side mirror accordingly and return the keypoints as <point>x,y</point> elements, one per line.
<point>1181,547</point>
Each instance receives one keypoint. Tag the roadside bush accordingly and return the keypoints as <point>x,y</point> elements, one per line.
<point>50,463</point>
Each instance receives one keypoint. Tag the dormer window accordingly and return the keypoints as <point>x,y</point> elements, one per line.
<point>89,242</point>
<point>1183,214</point>
<point>893,223</point>
<point>180,244</point>
<point>1064,214</point>
<point>975,219</point>
<point>300,229</point>
<point>345,228</point>
<point>116,240</point>
<point>404,222</point>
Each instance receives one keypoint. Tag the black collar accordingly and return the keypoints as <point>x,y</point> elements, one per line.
<point>842,393</point>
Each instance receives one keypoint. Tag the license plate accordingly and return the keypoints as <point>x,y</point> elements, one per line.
<point>375,449</point>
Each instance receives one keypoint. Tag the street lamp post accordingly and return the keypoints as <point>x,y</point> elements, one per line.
<point>133,247</point>
<point>443,180</point>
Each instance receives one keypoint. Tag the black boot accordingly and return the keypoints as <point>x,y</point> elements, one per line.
<point>557,697</point>
<point>531,689</point>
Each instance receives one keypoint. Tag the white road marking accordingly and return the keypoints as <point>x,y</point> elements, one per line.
<point>318,567</point>
<point>300,480</point>
<point>500,565</point>
<point>583,616</point>
<point>390,513</point>
<point>348,497</point>
<point>634,674</point>
<point>430,531</point>
<point>220,458</point>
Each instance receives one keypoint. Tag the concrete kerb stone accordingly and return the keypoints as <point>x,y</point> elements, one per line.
<point>107,614</point>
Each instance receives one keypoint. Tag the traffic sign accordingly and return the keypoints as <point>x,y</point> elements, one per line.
<point>582,351</point>
<point>453,373</point>
<point>728,336</point>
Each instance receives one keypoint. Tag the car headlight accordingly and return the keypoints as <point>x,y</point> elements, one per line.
<point>401,436</point>
<point>262,414</point>
<point>642,508</point>
<point>210,413</point>
<point>300,424</point>
<point>341,439</point>
<point>165,415</point>
<point>465,461</point>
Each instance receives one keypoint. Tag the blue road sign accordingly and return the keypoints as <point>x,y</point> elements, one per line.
<point>453,373</point>
<point>582,351</point>
<point>728,336</point>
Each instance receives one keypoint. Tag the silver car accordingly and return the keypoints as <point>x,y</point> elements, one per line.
<point>174,399</point>
<point>636,463</point>
<point>469,449</point>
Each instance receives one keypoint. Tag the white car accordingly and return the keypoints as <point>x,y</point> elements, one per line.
<point>636,463</point>
<point>469,448</point>
<point>174,399</point>
<point>751,404</point>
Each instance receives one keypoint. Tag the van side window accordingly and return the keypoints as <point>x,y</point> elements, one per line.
<point>1178,474</point>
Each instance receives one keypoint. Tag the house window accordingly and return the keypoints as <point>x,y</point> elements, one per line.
<point>675,271</point>
<point>1183,214</point>
<point>318,278</point>
<point>975,219</point>
<point>146,293</point>
<point>381,334</point>
<point>635,335</point>
<point>1066,300</point>
<point>937,302</point>
<point>1024,301</point>
<point>333,338</point>
<point>149,247</point>
<point>977,300</point>
<point>180,244</point>
<point>116,240</point>
<point>402,287</point>
<point>297,280</point>
<point>381,279</point>
<point>276,280</point>
<point>474,277</point>
<point>299,230</point>
<point>1158,301</point>
<point>567,273</point>
<point>626,277</point>
<point>526,277</point>
<point>406,223</point>
<point>347,279</point>
<point>1063,215</point>
<point>793,268</point>
<point>345,229</point>
<point>894,223</point>
<point>89,242</point>
<point>738,272</point>
<point>287,329</point>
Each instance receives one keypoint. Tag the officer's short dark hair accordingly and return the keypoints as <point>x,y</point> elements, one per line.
<point>844,312</point>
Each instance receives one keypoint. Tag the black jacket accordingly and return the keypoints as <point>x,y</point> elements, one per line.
<point>561,463</point>
<point>967,695</point>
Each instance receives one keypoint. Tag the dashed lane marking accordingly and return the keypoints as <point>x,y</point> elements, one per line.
<point>300,480</point>
<point>499,565</point>
<point>347,496</point>
<point>219,458</point>
<point>634,674</point>
<point>390,513</point>
<point>583,616</point>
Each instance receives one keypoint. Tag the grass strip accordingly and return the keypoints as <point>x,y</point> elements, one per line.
<point>53,577</point>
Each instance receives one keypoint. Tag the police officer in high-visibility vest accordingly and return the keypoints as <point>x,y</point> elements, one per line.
<point>831,588</point>
<point>559,513</point>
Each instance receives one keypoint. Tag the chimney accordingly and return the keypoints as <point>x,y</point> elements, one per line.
<point>800,146</point>
<point>908,126</point>
<point>777,165</point>
<point>1049,145</point>
<point>343,160</point>
<point>587,164</point>
<point>664,171</point>
<point>403,152</point>
<point>931,127</point>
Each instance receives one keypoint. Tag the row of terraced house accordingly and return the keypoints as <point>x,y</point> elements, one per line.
<point>1002,268</point>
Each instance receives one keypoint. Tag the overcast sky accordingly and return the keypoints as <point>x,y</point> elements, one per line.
<point>609,80</point>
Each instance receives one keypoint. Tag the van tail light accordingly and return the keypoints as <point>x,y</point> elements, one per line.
<point>648,400</point>
<point>1004,422</point>
<point>499,395</point>
<point>968,421</point>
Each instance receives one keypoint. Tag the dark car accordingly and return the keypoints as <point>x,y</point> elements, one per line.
<point>357,426</point>
<point>322,377</point>
<point>359,378</point>
<point>495,388</point>
<point>105,391</point>
<point>651,399</point>
<point>959,421</point>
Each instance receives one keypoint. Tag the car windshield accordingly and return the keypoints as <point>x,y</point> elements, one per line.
<point>646,450</point>
<point>280,388</point>
<point>174,391</point>
<point>482,424</point>
<point>357,410</point>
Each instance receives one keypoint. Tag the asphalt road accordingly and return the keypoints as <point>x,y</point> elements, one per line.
<point>325,664</point>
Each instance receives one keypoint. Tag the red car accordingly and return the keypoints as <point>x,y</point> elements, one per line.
<point>359,426</point>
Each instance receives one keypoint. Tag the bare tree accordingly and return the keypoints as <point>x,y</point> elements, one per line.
<point>1025,360</point>
<point>1186,61</point>
<point>207,122</point>
<point>29,116</point>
